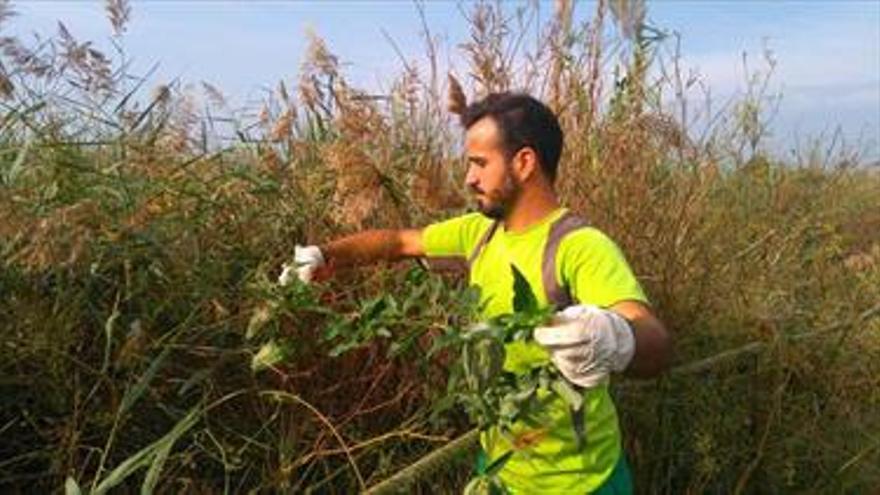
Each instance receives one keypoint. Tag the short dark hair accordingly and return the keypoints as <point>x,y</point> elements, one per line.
<point>522,121</point>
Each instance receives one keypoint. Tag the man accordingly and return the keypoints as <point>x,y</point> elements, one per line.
<point>513,144</point>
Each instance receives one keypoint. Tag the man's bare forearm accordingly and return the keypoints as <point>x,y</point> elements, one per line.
<point>653,344</point>
<point>371,246</point>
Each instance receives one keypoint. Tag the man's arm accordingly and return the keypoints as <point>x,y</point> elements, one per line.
<point>373,245</point>
<point>652,341</point>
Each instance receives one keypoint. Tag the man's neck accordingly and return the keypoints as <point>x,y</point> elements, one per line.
<point>533,206</point>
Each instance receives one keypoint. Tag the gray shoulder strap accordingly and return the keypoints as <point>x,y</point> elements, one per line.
<point>459,264</point>
<point>557,295</point>
<point>487,236</point>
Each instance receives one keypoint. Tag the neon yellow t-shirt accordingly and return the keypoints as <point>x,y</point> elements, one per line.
<point>595,272</point>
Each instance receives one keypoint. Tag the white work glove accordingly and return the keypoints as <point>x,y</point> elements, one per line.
<point>306,259</point>
<point>587,343</point>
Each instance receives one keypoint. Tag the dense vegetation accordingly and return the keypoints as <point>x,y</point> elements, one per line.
<point>138,252</point>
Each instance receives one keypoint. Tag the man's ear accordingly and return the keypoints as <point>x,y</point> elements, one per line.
<point>525,164</point>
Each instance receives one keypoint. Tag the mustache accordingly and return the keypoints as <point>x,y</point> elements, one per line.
<point>476,190</point>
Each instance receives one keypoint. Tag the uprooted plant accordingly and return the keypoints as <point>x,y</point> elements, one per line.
<point>494,394</point>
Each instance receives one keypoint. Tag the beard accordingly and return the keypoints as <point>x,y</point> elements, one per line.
<point>497,204</point>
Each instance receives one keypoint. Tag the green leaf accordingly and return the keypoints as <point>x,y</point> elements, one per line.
<point>336,327</point>
<point>153,454</point>
<point>523,357</point>
<point>525,392</point>
<point>262,315</point>
<point>523,297</point>
<point>164,450</point>
<point>496,488</point>
<point>568,393</point>
<point>477,486</point>
<point>372,309</point>
<point>469,365</point>
<point>490,360</point>
<point>499,463</point>
<point>509,409</point>
<point>12,172</point>
<point>194,380</point>
<point>343,348</point>
<point>134,393</point>
<point>108,334</point>
<point>71,487</point>
<point>269,354</point>
<point>484,485</point>
<point>416,275</point>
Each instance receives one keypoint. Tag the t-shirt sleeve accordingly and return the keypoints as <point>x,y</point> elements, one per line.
<point>455,237</point>
<point>596,271</point>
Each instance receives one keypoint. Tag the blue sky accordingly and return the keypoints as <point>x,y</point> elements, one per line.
<point>827,52</point>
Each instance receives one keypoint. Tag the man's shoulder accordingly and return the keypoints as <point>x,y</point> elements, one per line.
<point>455,236</point>
<point>467,221</point>
<point>587,233</point>
<point>587,240</point>
<point>471,217</point>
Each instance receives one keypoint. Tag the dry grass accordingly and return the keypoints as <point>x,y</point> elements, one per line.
<point>135,251</point>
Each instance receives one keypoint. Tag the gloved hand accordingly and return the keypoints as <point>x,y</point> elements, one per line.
<point>306,259</point>
<point>587,343</point>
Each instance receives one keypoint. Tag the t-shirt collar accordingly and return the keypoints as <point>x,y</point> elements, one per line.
<point>549,218</point>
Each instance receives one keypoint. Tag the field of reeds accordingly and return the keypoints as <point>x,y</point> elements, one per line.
<point>144,344</point>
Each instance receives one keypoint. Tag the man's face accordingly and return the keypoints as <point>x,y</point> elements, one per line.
<point>489,175</point>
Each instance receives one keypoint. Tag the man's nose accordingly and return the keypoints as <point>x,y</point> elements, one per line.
<point>471,179</point>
